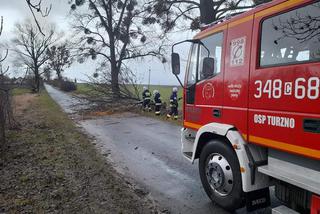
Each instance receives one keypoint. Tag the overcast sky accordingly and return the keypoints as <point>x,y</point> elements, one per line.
<point>14,11</point>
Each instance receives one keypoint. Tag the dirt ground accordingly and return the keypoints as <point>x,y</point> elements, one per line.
<point>49,166</point>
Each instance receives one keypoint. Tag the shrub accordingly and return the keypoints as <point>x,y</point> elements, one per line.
<point>68,86</point>
<point>64,85</point>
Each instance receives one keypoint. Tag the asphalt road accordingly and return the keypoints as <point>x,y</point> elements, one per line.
<point>148,151</point>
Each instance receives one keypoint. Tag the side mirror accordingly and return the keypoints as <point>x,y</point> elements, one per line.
<point>175,63</point>
<point>208,67</point>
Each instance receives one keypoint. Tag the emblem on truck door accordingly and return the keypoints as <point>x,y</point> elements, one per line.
<point>234,90</point>
<point>208,91</point>
<point>237,51</point>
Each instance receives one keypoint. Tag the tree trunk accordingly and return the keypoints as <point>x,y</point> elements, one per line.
<point>9,111</point>
<point>207,15</point>
<point>59,75</point>
<point>2,114</point>
<point>115,83</point>
<point>37,80</point>
<point>114,70</point>
<point>2,119</point>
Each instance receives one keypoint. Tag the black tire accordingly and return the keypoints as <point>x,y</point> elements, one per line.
<point>235,198</point>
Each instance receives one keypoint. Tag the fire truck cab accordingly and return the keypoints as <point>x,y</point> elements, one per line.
<point>252,106</point>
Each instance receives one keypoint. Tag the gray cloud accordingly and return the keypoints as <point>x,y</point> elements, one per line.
<point>14,11</point>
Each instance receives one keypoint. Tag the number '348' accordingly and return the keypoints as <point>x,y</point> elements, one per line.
<point>300,88</point>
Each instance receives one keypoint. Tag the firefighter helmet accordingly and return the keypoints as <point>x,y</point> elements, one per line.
<point>155,92</point>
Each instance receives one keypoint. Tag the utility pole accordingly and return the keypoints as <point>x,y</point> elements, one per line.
<point>149,78</point>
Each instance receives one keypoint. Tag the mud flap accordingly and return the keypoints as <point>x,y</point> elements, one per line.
<point>258,199</point>
<point>315,204</point>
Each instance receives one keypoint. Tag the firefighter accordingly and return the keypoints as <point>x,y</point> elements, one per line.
<point>146,95</point>
<point>173,104</point>
<point>157,101</point>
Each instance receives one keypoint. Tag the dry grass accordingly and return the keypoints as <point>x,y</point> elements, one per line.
<point>51,167</point>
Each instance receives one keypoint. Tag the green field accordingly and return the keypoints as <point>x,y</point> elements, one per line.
<point>165,91</point>
<point>83,88</point>
<point>20,91</point>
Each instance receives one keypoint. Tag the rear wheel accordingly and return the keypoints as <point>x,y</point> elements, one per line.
<point>220,175</point>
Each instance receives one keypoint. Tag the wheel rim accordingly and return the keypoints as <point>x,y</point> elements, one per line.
<point>219,174</point>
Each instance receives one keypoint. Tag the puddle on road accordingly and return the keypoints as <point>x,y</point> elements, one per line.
<point>110,124</point>
<point>150,124</point>
<point>127,132</point>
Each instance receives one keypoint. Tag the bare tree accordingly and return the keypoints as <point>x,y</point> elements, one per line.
<point>5,106</point>
<point>2,118</point>
<point>47,73</point>
<point>101,82</point>
<point>59,58</point>
<point>30,48</point>
<point>299,26</point>
<point>195,11</point>
<point>37,6</point>
<point>1,28</point>
<point>114,31</point>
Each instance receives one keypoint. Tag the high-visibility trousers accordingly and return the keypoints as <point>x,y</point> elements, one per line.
<point>173,112</point>
<point>157,109</point>
<point>146,103</point>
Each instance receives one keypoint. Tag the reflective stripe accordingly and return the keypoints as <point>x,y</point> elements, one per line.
<point>192,125</point>
<point>285,146</point>
<point>147,98</point>
<point>158,104</point>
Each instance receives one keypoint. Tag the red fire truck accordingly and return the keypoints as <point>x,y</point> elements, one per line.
<point>252,106</point>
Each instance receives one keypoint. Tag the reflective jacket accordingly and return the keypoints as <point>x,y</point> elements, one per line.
<point>174,99</point>
<point>146,95</point>
<point>157,99</point>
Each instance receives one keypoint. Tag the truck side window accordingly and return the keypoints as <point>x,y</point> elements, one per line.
<point>292,37</point>
<point>192,68</point>
<point>214,44</point>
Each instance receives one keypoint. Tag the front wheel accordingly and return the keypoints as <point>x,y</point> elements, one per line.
<point>220,175</point>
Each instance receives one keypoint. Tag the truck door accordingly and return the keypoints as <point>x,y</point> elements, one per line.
<point>238,58</point>
<point>204,91</point>
<point>284,110</point>
<point>191,113</point>
<point>209,87</point>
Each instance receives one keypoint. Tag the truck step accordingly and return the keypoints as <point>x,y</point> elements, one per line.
<point>187,140</point>
<point>283,210</point>
<point>188,154</point>
<point>303,177</point>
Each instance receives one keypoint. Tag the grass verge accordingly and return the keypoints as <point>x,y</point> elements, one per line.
<point>49,166</point>
<point>20,91</point>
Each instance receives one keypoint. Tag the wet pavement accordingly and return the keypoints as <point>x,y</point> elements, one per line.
<point>148,151</point>
<point>69,104</point>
